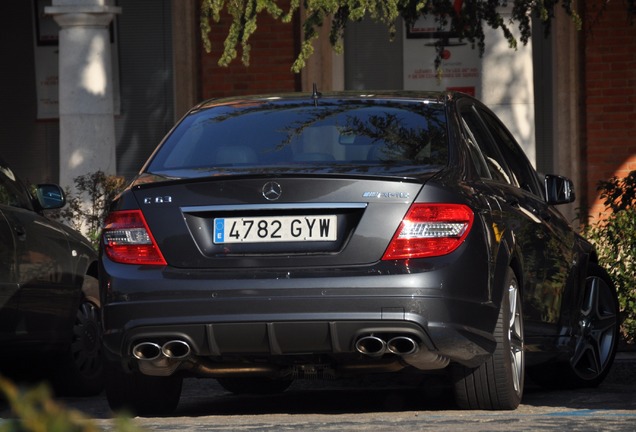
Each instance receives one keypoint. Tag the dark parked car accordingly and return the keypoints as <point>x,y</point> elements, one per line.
<point>49,299</point>
<point>298,236</point>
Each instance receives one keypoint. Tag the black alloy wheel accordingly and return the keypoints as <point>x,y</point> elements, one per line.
<point>597,333</point>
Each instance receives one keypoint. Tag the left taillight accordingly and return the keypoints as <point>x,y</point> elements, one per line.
<point>128,240</point>
<point>430,230</point>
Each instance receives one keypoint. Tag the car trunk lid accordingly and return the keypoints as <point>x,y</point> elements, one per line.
<point>285,221</point>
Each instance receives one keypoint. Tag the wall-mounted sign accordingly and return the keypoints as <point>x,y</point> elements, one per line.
<point>460,67</point>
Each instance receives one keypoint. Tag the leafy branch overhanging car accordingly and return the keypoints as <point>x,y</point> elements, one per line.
<point>49,294</point>
<point>279,237</point>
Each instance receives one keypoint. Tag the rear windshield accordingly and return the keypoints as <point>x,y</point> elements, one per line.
<point>279,134</point>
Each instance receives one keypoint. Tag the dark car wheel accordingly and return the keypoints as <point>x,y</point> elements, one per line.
<point>596,337</point>
<point>255,385</point>
<point>498,383</point>
<point>594,340</point>
<point>138,394</point>
<point>80,371</point>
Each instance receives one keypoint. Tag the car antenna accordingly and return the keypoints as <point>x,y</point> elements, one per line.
<point>315,94</point>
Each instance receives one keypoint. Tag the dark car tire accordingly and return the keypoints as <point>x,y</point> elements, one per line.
<point>498,383</point>
<point>80,372</point>
<point>597,335</point>
<point>594,341</point>
<point>254,385</point>
<point>141,395</point>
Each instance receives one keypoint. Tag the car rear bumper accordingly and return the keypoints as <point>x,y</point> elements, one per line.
<point>283,317</point>
<point>278,337</point>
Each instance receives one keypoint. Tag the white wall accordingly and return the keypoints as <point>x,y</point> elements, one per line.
<point>502,78</point>
<point>507,87</point>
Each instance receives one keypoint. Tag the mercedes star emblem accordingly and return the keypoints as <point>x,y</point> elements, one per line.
<point>272,191</point>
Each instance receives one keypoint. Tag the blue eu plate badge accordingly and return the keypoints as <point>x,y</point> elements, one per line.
<point>219,230</point>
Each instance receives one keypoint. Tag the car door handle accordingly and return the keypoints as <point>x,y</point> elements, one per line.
<point>19,230</point>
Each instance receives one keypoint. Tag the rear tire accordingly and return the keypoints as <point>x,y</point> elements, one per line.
<point>142,395</point>
<point>498,383</point>
<point>80,371</point>
<point>597,336</point>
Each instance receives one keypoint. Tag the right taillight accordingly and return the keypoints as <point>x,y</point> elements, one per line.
<point>127,239</point>
<point>430,230</point>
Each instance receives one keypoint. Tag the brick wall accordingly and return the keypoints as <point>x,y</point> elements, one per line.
<point>274,48</point>
<point>610,94</point>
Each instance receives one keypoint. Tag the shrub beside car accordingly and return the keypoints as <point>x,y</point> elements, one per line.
<point>614,236</point>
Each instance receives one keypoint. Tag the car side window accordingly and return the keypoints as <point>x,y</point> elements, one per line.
<point>515,158</point>
<point>477,131</point>
<point>475,154</point>
<point>11,193</point>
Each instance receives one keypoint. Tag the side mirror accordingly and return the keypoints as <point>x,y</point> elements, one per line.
<point>50,196</point>
<point>559,190</point>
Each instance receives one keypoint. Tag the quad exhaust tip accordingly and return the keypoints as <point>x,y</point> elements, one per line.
<point>147,351</point>
<point>174,349</point>
<point>372,346</point>
<point>402,345</point>
<point>375,346</point>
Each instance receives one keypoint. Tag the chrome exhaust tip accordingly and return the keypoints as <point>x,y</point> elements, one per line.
<point>161,360</point>
<point>372,346</point>
<point>176,349</point>
<point>146,351</point>
<point>402,345</point>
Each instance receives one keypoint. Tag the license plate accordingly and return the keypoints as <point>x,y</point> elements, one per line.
<point>275,229</point>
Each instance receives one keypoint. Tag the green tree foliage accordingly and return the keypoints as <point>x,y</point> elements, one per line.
<point>466,18</point>
<point>35,410</point>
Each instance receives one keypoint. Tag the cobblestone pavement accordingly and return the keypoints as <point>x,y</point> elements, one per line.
<point>374,406</point>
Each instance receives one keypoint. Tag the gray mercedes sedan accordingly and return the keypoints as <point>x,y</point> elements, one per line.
<point>281,237</point>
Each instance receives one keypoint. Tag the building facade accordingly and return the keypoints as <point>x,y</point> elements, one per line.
<point>568,98</point>
<point>609,95</point>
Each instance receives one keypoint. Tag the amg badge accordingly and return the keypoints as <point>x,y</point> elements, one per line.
<point>397,195</point>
